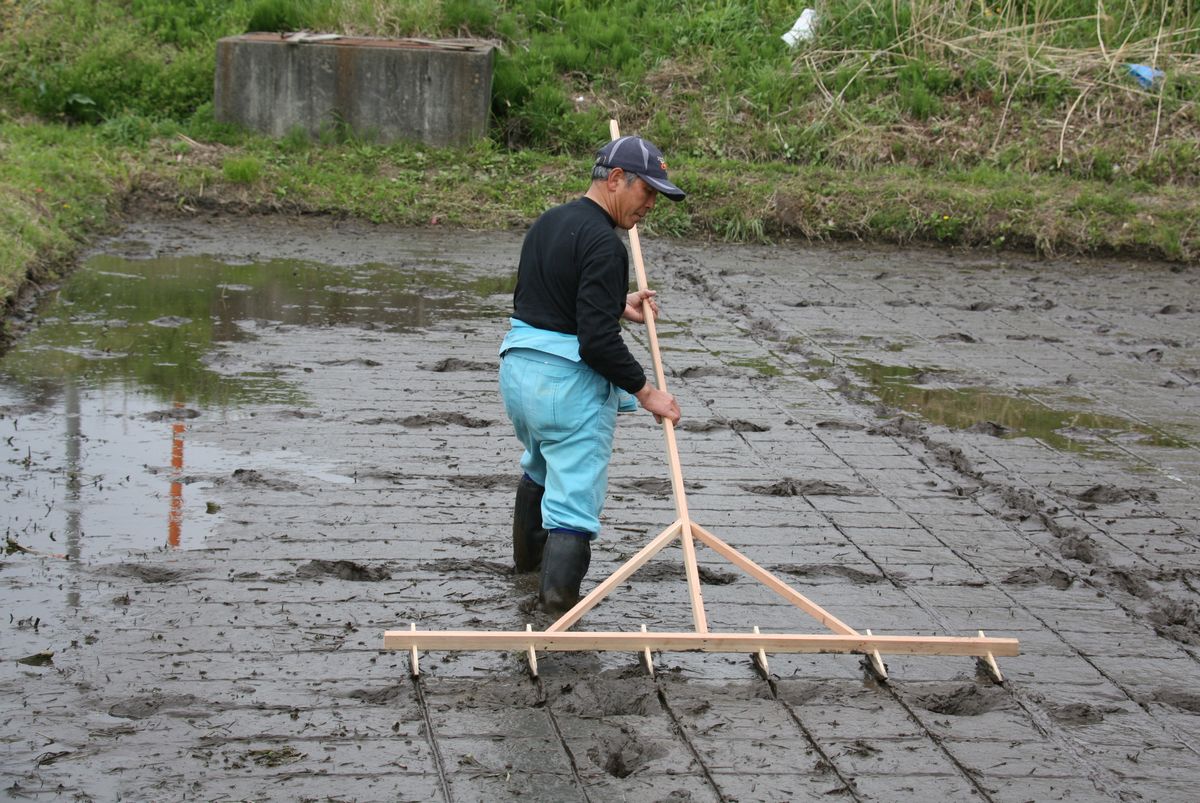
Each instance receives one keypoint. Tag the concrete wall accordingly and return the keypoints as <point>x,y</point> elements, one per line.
<point>382,89</point>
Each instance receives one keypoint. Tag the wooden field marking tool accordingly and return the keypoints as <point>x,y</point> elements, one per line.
<point>557,637</point>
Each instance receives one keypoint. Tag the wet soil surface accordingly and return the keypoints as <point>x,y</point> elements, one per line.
<point>237,452</point>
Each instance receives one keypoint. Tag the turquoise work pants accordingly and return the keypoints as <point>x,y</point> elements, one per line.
<point>564,414</point>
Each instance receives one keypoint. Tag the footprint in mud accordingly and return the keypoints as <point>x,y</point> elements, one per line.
<point>606,696</point>
<point>963,700</point>
<point>1039,575</point>
<point>792,487</point>
<point>621,755</point>
<point>445,419</point>
<point>455,364</point>
<point>343,570</point>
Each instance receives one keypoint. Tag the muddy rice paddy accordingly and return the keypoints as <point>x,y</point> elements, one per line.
<point>236,452</point>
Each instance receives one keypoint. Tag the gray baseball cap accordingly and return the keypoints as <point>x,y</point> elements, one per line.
<point>640,156</point>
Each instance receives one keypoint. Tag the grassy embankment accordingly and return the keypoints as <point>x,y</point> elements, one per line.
<point>1012,123</point>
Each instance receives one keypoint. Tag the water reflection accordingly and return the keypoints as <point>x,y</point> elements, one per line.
<point>99,395</point>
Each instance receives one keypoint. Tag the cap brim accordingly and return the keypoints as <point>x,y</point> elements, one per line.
<point>665,187</point>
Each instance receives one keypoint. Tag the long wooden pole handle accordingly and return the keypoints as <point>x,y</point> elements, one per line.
<point>689,546</point>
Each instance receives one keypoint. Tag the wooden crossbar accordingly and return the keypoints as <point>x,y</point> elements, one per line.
<point>557,637</point>
<point>702,642</point>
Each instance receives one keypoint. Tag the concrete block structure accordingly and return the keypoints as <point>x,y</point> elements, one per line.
<point>434,92</point>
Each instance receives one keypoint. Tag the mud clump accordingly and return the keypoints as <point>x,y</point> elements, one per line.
<point>831,570</point>
<point>1081,548</point>
<point>989,428</point>
<point>963,700</point>
<point>343,570</point>
<point>454,364</point>
<point>669,571</point>
<point>956,337</point>
<point>953,456</point>
<point>658,487</point>
<point>382,696</point>
<point>792,487</point>
<point>255,479</point>
<point>846,425</point>
<point>173,414</point>
<point>445,419</point>
<point>468,565</point>
<point>1178,620</point>
<point>1109,494</point>
<point>1039,575</point>
<point>736,424</point>
<point>354,361</point>
<point>147,573</point>
<point>484,482</point>
<point>1184,701</point>
<point>898,427</point>
<point>702,371</point>
<point>178,705</point>
<point>1081,713</point>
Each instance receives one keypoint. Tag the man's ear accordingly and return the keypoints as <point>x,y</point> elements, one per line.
<point>615,177</point>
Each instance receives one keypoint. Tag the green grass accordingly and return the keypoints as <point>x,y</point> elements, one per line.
<point>1009,123</point>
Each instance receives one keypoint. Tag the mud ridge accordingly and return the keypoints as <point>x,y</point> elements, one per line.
<point>483,482</point>
<point>1110,494</point>
<point>149,573</point>
<point>1178,620</point>
<point>255,479</point>
<point>146,706</point>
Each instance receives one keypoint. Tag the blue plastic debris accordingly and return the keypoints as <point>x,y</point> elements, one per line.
<point>1148,77</point>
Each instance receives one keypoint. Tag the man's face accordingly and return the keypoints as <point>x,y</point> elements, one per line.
<point>631,201</point>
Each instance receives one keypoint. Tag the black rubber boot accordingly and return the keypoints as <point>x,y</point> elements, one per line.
<point>564,564</point>
<point>529,538</point>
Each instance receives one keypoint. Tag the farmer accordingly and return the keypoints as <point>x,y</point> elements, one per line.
<point>564,364</point>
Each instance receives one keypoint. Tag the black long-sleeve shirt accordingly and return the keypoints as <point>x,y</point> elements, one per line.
<point>573,278</point>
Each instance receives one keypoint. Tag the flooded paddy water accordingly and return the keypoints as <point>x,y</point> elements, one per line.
<point>237,451</point>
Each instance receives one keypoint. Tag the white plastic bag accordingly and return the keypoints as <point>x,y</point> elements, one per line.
<point>802,29</point>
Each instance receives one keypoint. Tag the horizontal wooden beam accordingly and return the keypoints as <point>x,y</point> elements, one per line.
<point>704,642</point>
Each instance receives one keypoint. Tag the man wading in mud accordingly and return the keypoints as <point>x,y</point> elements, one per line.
<point>564,363</point>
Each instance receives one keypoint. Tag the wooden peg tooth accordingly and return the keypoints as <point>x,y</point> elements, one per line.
<point>877,663</point>
<point>532,653</point>
<point>647,658</point>
<point>760,658</point>
<point>989,663</point>
<point>416,666</point>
